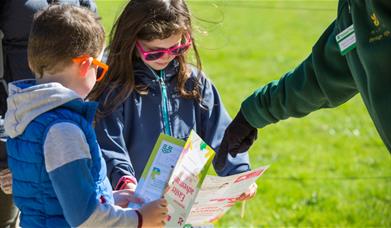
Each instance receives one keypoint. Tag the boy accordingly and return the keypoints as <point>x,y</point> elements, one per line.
<point>59,175</point>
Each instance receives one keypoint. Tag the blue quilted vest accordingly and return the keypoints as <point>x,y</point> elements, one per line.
<point>32,189</point>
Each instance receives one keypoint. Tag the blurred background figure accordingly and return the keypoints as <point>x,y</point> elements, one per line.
<point>15,22</point>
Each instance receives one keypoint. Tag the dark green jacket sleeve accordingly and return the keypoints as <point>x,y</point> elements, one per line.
<point>323,80</point>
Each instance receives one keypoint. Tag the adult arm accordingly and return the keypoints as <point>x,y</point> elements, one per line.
<point>323,80</point>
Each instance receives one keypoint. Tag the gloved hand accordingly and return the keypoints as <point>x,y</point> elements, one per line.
<point>6,181</point>
<point>238,138</point>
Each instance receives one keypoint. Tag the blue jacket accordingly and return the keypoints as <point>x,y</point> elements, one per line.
<point>59,175</point>
<point>128,135</point>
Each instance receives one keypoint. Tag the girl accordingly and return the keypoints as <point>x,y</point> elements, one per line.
<point>151,89</point>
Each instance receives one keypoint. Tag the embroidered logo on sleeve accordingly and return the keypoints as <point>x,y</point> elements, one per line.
<point>375,21</point>
<point>379,31</point>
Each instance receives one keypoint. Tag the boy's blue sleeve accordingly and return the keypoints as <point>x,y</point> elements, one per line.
<point>110,134</point>
<point>215,120</point>
<point>68,163</point>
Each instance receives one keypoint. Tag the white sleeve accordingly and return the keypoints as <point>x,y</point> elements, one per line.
<point>107,215</point>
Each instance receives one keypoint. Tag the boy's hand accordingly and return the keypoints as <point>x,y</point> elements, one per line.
<point>154,213</point>
<point>238,138</point>
<point>122,198</point>
<point>6,181</point>
<point>250,193</point>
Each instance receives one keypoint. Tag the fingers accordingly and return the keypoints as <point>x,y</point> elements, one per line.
<point>250,193</point>
<point>234,143</point>
<point>5,172</point>
<point>163,206</point>
<point>246,196</point>
<point>154,213</point>
<point>135,199</point>
<point>243,197</point>
<point>125,192</point>
<point>123,197</point>
<point>163,202</point>
<point>164,210</point>
<point>248,141</point>
<point>130,186</point>
<point>221,157</point>
<point>249,196</point>
<point>240,135</point>
<point>129,193</point>
<point>6,181</point>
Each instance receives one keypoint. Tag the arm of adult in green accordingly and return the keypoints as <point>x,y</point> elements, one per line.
<point>323,80</point>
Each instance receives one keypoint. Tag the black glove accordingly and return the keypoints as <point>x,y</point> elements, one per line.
<point>238,138</point>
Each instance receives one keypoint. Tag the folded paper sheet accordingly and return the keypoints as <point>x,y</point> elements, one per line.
<point>178,171</point>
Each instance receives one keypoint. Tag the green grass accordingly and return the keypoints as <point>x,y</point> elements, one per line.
<point>313,159</point>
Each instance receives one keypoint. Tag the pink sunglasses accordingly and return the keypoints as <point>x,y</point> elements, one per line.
<point>155,55</point>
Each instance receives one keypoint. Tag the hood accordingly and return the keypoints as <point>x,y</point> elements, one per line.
<point>27,100</point>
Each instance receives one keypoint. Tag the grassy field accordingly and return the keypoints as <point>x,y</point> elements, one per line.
<point>328,169</point>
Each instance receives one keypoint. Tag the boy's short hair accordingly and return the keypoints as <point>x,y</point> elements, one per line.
<point>60,33</point>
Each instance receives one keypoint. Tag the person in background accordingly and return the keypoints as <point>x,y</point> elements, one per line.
<point>15,23</point>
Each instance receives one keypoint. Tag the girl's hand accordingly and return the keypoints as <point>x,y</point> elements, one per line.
<point>131,187</point>
<point>122,198</point>
<point>127,182</point>
<point>250,193</point>
<point>154,213</point>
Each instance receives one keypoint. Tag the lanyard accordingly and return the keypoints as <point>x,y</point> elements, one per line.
<point>163,87</point>
<point>167,130</point>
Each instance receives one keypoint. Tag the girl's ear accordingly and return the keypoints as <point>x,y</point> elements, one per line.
<point>84,66</point>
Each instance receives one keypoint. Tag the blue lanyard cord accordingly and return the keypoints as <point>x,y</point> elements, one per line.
<point>166,120</point>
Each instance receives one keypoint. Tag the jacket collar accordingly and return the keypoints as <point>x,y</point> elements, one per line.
<point>144,75</point>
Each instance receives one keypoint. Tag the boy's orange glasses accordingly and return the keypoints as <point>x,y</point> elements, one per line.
<point>101,69</point>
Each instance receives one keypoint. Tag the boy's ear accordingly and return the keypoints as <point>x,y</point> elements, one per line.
<point>84,66</point>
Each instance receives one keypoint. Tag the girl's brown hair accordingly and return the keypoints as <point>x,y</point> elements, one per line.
<point>143,20</point>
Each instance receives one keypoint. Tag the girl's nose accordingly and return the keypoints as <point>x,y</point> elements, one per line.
<point>166,56</point>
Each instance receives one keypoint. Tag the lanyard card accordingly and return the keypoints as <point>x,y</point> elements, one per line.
<point>346,40</point>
